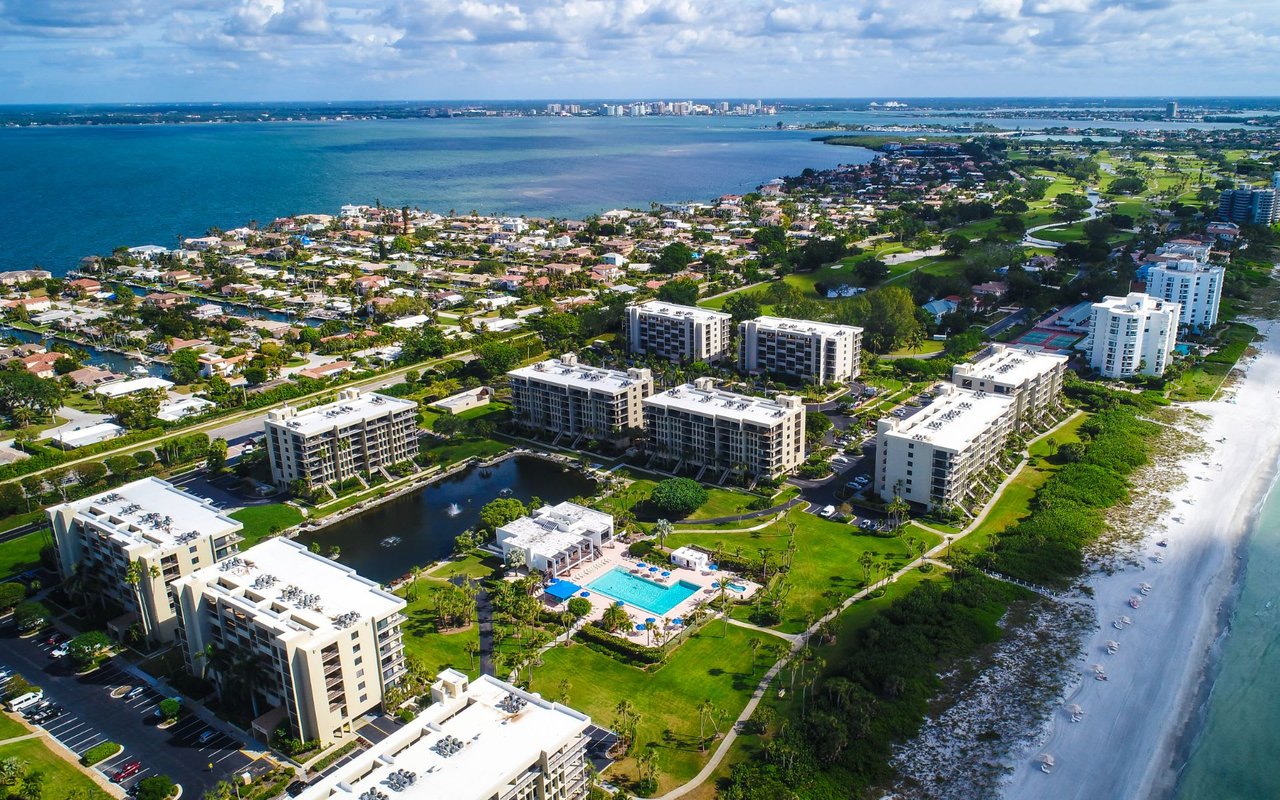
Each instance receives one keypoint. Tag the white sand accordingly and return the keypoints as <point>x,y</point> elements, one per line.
<point>1124,745</point>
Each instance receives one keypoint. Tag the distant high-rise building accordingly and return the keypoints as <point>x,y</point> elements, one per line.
<point>1252,206</point>
<point>1132,335</point>
<point>1275,179</point>
<point>1195,286</point>
<point>1171,110</point>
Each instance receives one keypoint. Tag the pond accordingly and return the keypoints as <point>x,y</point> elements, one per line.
<point>427,521</point>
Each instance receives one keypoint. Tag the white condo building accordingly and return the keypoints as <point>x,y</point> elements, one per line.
<point>814,351</point>
<point>701,426</point>
<point>168,532</point>
<point>678,333</point>
<point>557,538</point>
<point>329,640</point>
<point>1196,287</point>
<point>1032,378</point>
<point>356,433</point>
<point>565,397</point>
<point>481,739</point>
<point>934,456</point>
<point>1131,335</point>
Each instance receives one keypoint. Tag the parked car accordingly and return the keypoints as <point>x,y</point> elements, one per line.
<point>207,736</point>
<point>135,693</point>
<point>55,639</point>
<point>127,771</point>
<point>46,715</point>
<point>27,700</point>
<point>61,650</point>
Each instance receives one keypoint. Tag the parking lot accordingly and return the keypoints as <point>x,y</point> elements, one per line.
<point>91,716</point>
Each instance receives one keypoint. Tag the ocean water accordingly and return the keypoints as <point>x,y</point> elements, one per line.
<point>1233,754</point>
<point>67,192</point>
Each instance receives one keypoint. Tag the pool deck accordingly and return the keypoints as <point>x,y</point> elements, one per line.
<point>615,555</point>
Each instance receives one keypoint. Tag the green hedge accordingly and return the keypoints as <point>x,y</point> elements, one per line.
<point>99,752</point>
<point>599,639</point>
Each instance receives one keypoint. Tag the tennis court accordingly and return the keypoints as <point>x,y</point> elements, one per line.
<point>1050,340</point>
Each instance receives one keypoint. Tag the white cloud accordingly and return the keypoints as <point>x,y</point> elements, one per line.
<point>149,49</point>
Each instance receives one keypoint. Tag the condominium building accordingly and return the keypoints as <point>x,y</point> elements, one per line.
<point>566,398</point>
<point>678,333</point>
<point>700,426</point>
<point>328,640</point>
<point>813,351</point>
<point>165,531</point>
<point>557,538</point>
<point>1032,378</point>
<point>1250,206</point>
<point>356,433</point>
<point>1132,335</point>
<point>481,739</point>
<point>935,457</point>
<point>1196,287</point>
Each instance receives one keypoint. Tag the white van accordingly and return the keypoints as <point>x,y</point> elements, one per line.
<point>30,698</point>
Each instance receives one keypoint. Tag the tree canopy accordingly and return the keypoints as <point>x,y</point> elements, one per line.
<point>677,497</point>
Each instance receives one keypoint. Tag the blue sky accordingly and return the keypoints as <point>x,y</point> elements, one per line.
<point>194,50</point>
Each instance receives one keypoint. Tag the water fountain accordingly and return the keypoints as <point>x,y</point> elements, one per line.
<point>453,510</point>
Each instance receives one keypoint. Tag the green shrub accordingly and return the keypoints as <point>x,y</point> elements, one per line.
<point>405,715</point>
<point>11,594</point>
<point>677,497</point>
<point>156,787</point>
<point>99,752</point>
<point>29,615</point>
<point>579,607</point>
<point>601,640</point>
<point>18,686</point>
<point>170,708</point>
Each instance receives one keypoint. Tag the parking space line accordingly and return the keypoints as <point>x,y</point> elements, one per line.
<point>229,754</point>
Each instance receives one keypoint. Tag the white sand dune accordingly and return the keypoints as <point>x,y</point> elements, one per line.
<point>1123,746</point>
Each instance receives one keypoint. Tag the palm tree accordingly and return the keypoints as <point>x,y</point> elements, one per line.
<point>661,530</point>
<point>133,575</point>
<point>415,572</point>
<point>754,644</point>
<point>705,709</point>
<point>866,561</point>
<point>473,649</point>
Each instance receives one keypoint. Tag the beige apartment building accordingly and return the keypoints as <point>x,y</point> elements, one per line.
<point>358,432</point>
<point>564,397</point>
<point>481,739</point>
<point>678,333</point>
<point>817,352</point>
<point>935,456</point>
<point>329,640</point>
<point>698,425</point>
<point>1033,379</point>
<point>168,532</point>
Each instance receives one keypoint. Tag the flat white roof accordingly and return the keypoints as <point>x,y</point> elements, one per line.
<point>1135,302</point>
<point>497,732</point>
<point>152,511</point>
<point>281,579</point>
<point>954,419</point>
<point>719,403</point>
<point>121,388</point>
<point>579,376</point>
<point>680,312</point>
<point>91,434</point>
<point>1010,365</point>
<point>804,326</point>
<point>349,408</point>
<point>553,529</point>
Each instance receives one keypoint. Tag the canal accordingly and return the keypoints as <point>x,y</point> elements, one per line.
<point>426,521</point>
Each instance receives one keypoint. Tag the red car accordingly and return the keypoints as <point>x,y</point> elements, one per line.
<point>55,639</point>
<point>127,771</point>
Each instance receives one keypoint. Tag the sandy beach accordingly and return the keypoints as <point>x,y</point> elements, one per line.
<point>1123,746</point>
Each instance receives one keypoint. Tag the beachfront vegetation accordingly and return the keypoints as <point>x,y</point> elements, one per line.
<point>1047,547</point>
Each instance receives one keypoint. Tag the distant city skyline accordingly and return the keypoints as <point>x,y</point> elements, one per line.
<point>62,51</point>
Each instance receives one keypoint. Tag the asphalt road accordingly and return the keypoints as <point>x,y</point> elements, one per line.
<point>93,716</point>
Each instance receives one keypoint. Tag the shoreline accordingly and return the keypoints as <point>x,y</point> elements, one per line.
<point>1143,718</point>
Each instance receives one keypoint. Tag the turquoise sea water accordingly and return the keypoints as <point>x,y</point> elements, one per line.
<point>622,585</point>
<point>1233,756</point>
<point>67,192</point>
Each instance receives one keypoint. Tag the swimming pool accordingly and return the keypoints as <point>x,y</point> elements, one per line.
<point>641,593</point>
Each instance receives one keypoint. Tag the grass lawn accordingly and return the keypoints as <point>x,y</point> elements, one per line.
<point>824,570</point>
<point>1014,503</point>
<point>847,624</point>
<point>714,664</point>
<point>459,449</point>
<point>261,521</point>
<point>926,347</point>
<point>423,640</point>
<point>723,503</point>
<point>10,727</point>
<point>60,777</point>
<point>1202,381</point>
<point>22,554</point>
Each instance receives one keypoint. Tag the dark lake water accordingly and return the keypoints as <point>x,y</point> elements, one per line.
<point>428,520</point>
